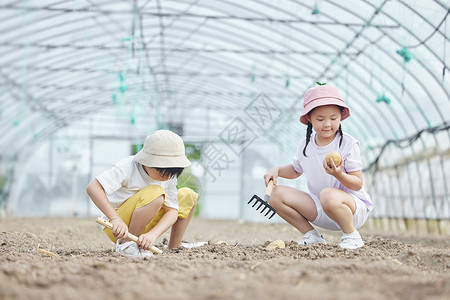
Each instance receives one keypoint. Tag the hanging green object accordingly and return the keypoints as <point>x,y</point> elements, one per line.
<point>123,88</point>
<point>384,99</point>
<point>252,74</point>
<point>315,10</point>
<point>288,82</point>
<point>318,83</point>
<point>114,97</point>
<point>133,120</point>
<point>407,56</point>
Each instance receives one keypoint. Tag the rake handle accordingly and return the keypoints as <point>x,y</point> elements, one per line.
<point>130,235</point>
<point>269,187</point>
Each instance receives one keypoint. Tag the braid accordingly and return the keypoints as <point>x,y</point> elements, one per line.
<point>308,137</point>
<point>342,135</point>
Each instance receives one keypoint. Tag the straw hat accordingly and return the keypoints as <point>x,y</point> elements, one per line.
<point>163,149</point>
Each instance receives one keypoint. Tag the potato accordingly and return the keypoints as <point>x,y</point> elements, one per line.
<point>276,244</point>
<point>336,158</point>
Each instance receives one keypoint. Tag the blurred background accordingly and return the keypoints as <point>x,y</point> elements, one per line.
<point>83,82</point>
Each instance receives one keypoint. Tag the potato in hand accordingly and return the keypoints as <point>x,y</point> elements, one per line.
<point>336,158</point>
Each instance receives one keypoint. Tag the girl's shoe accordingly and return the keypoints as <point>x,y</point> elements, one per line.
<point>351,241</point>
<point>312,238</point>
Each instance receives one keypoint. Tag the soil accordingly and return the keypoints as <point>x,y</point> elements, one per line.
<point>80,263</point>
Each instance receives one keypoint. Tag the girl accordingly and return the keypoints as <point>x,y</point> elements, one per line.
<point>336,199</point>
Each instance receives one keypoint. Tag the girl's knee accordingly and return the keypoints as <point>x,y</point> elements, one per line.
<point>276,196</point>
<point>328,198</point>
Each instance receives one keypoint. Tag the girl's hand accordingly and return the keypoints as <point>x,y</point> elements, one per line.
<point>120,229</point>
<point>333,170</point>
<point>272,174</point>
<point>146,241</point>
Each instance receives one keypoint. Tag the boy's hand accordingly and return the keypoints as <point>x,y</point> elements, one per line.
<point>146,240</point>
<point>120,229</point>
<point>333,170</point>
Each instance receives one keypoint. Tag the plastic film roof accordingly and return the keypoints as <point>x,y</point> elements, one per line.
<point>200,64</point>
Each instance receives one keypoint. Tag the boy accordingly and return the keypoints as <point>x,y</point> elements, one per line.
<point>139,195</point>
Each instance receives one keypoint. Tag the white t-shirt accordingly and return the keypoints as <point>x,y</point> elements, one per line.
<point>316,176</point>
<point>127,177</point>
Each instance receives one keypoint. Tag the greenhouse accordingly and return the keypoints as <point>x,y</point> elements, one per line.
<point>87,87</point>
<point>84,82</point>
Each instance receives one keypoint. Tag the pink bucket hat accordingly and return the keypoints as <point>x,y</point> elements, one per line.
<point>323,95</point>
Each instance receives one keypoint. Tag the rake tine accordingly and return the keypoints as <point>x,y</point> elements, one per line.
<point>259,205</point>
<point>249,201</point>
<point>256,202</point>
<point>264,209</point>
<point>274,211</point>
<point>273,214</point>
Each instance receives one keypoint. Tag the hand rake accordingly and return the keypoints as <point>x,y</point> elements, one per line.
<point>264,202</point>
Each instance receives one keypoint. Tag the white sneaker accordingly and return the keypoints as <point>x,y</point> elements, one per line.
<point>193,245</point>
<point>145,253</point>
<point>131,249</point>
<point>351,241</point>
<point>312,237</point>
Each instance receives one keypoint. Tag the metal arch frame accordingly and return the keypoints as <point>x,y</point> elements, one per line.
<point>393,93</point>
<point>434,137</point>
<point>363,67</point>
<point>412,75</point>
<point>425,69</point>
<point>387,70</point>
<point>423,65</point>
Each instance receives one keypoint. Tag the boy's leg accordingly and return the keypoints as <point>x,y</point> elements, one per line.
<point>138,210</point>
<point>294,206</point>
<point>143,215</point>
<point>187,200</point>
<point>340,207</point>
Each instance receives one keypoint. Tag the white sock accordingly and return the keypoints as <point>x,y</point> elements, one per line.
<point>355,233</point>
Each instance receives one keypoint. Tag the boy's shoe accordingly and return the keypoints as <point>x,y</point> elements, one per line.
<point>189,245</point>
<point>145,253</point>
<point>131,249</point>
<point>351,241</point>
<point>193,245</point>
<point>312,237</point>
